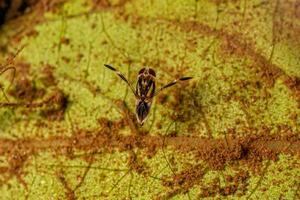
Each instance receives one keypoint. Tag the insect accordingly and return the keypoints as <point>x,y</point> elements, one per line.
<point>145,90</point>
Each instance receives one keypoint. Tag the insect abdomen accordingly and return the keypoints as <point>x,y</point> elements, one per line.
<point>142,110</point>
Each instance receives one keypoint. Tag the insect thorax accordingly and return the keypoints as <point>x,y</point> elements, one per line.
<point>145,86</point>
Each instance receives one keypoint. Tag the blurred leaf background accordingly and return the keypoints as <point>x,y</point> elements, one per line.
<point>230,133</point>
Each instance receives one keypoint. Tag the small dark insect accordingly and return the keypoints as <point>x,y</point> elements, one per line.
<point>145,90</point>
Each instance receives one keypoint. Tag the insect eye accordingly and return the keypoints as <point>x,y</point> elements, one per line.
<point>152,72</point>
<point>142,71</point>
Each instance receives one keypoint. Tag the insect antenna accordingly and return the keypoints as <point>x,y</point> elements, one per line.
<point>171,84</point>
<point>121,76</point>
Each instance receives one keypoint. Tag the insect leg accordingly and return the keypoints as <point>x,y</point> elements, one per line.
<point>172,83</point>
<point>121,76</point>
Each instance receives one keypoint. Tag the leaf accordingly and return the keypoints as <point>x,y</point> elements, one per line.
<point>70,132</point>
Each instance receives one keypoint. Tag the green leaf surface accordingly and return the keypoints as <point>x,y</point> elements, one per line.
<point>232,132</point>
